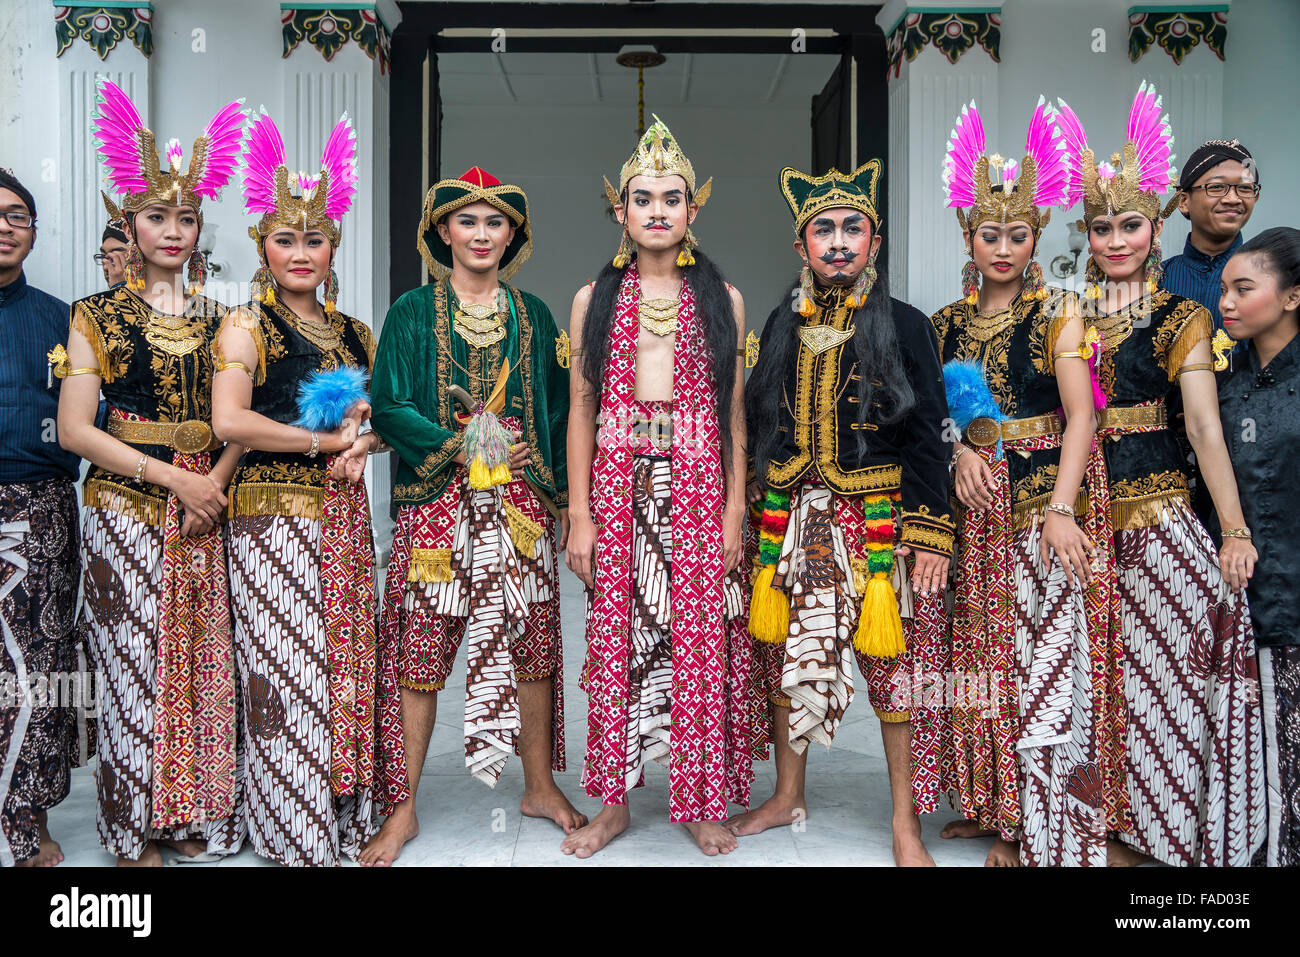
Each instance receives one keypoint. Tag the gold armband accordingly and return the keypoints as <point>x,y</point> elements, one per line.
<point>223,366</point>
<point>60,364</point>
<point>1069,355</point>
<point>1087,349</point>
<point>1196,367</point>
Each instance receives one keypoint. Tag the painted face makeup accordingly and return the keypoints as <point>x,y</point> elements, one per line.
<point>299,261</point>
<point>838,244</point>
<point>1002,251</point>
<point>1120,244</point>
<point>478,235</point>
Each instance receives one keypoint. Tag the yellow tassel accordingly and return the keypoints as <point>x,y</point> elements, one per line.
<point>806,307</point>
<point>973,299</point>
<point>329,307</point>
<point>880,630</point>
<point>480,477</point>
<point>268,297</point>
<point>500,474</point>
<point>769,609</point>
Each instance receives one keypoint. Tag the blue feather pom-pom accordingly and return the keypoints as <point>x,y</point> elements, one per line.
<point>326,395</point>
<point>969,396</point>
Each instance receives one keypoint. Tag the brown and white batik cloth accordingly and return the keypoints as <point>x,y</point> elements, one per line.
<point>293,815</point>
<point>477,565</point>
<point>44,674</point>
<point>1196,780</point>
<point>123,567</point>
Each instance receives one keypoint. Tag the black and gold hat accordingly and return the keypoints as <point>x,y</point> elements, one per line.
<point>809,195</point>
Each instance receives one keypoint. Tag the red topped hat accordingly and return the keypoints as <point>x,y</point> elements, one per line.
<point>475,185</point>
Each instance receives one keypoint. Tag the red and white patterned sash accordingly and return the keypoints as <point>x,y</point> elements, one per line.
<point>348,599</point>
<point>710,717</point>
<point>194,711</point>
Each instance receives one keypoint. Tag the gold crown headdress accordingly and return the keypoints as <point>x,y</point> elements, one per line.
<point>1131,181</point>
<point>658,154</point>
<point>1027,189</point>
<point>807,195</point>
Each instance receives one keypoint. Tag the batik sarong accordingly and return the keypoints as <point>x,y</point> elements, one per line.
<point>1196,778</point>
<point>44,673</point>
<point>1279,680</point>
<point>124,569</point>
<point>298,810</point>
<point>479,565</point>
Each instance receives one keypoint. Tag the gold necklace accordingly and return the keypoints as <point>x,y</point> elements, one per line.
<point>480,325</point>
<point>175,335</point>
<point>822,336</point>
<point>983,326</point>
<point>659,316</point>
<point>325,336</point>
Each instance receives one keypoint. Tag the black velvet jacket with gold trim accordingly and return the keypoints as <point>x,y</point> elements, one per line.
<point>821,439</point>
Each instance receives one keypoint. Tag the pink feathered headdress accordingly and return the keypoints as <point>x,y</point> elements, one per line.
<point>127,148</point>
<point>298,200</point>
<point>1131,181</point>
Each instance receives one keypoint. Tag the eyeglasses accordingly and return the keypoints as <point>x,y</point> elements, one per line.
<point>100,257</point>
<point>1220,190</point>
<point>19,218</point>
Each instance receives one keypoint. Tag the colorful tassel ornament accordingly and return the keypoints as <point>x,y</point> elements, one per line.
<point>769,609</point>
<point>880,629</point>
<point>487,447</point>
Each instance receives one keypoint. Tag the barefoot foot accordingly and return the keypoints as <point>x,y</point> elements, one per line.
<point>713,837</point>
<point>1119,854</point>
<point>550,802</point>
<point>909,849</point>
<point>189,847</point>
<point>612,821</point>
<point>777,811</point>
<point>385,847</point>
<point>48,853</point>
<point>964,829</point>
<point>1003,854</point>
<point>149,857</point>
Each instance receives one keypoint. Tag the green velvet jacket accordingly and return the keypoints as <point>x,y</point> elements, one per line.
<point>420,355</point>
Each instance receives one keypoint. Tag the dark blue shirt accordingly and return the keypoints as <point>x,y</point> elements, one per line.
<point>1197,276</point>
<point>31,324</point>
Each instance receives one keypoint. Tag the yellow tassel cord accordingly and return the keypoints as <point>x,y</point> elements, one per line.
<point>806,307</point>
<point>430,565</point>
<point>480,476</point>
<point>501,474</point>
<point>524,532</point>
<point>769,609</point>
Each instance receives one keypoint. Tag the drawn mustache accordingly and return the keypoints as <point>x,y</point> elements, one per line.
<point>831,255</point>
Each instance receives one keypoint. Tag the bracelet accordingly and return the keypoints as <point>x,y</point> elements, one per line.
<point>315,446</point>
<point>1061,508</point>
<point>139,469</point>
<point>958,451</point>
<point>1242,532</point>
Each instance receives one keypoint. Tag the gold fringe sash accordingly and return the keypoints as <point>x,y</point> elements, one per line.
<point>1147,510</point>
<point>431,565</point>
<point>1196,329</point>
<point>524,532</point>
<point>134,504</point>
<point>1031,510</point>
<point>271,498</point>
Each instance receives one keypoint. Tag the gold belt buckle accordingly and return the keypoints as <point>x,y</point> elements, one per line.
<point>983,432</point>
<point>191,436</point>
<point>660,426</point>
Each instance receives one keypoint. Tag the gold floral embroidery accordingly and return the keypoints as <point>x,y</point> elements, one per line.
<point>1154,483</point>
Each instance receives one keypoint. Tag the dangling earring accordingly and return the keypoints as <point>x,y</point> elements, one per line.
<point>1035,288</point>
<point>1094,277</point>
<point>684,255</point>
<point>625,251</point>
<point>866,280</point>
<point>197,272</point>
<point>970,283</point>
<point>804,305</point>
<point>134,268</point>
<point>1154,266</point>
<point>331,291</point>
<point>262,288</point>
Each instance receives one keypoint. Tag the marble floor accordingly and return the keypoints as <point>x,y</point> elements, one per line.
<point>464,822</point>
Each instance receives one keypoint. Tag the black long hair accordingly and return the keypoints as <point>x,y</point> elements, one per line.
<point>712,306</point>
<point>883,384</point>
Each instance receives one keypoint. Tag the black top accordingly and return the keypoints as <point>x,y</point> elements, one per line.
<point>819,438</point>
<point>153,366</point>
<point>1260,409</point>
<point>289,350</point>
<point>31,324</point>
<point>1015,348</point>
<point>1143,347</point>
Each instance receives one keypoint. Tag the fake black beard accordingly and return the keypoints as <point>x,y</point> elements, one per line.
<point>840,278</point>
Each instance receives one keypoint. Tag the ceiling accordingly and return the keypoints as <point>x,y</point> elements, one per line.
<point>578,79</point>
